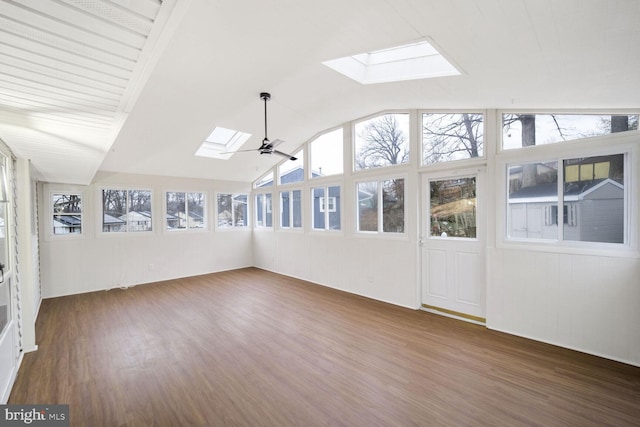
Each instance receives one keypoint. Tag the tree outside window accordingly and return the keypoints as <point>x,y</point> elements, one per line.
<point>67,213</point>
<point>126,210</point>
<point>382,141</point>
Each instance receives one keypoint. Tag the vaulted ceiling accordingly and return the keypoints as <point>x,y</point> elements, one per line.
<point>136,86</point>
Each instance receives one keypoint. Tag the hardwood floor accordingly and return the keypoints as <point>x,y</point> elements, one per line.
<point>253,348</point>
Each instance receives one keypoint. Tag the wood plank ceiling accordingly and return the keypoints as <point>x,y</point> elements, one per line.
<point>70,71</point>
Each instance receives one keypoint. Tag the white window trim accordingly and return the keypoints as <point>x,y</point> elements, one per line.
<point>380,233</point>
<point>309,160</point>
<point>99,213</point>
<point>622,143</point>
<point>594,139</point>
<point>381,169</point>
<point>338,205</point>
<point>205,215</point>
<point>50,235</point>
<point>453,163</point>
<point>267,210</point>
<point>291,227</point>
<point>233,226</point>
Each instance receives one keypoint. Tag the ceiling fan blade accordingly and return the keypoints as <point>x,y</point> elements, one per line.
<point>240,151</point>
<point>276,142</point>
<point>285,155</point>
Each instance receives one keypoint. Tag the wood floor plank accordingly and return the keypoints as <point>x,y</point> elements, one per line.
<point>253,348</point>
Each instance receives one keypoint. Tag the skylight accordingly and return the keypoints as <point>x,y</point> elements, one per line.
<point>413,61</point>
<point>221,141</point>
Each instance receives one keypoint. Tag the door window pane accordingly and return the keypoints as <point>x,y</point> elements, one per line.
<point>453,208</point>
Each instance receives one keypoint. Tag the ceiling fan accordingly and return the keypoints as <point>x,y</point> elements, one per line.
<point>267,146</point>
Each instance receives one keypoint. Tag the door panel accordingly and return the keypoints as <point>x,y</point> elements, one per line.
<point>453,245</point>
<point>436,285</point>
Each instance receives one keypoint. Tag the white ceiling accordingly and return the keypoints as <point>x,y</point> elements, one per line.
<point>548,54</point>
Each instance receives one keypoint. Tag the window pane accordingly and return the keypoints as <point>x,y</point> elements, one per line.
<point>225,210</point>
<point>453,208</point>
<point>393,206</point>
<point>368,206</point>
<point>317,195</point>
<point>285,208</point>
<point>533,191</point>
<point>139,214</point>
<point>268,214</point>
<point>67,213</point>
<point>382,141</point>
<point>195,210</point>
<point>114,210</point>
<point>447,137</point>
<point>265,181</point>
<point>594,206</point>
<point>523,130</point>
<point>260,210</point>
<point>326,154</point>
<point>297,208</point>
<point>240,218</point>
<point>176,219</point>
<point>292,170</point>
<point>334,208</point>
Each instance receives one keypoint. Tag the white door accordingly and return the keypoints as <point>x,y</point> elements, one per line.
<point>453,245</point>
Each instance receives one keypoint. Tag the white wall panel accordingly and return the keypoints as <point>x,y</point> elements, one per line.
<point>585,302</point>
<point>383,269</point>
<point>97,261</point>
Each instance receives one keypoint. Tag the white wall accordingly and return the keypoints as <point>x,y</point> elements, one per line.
<point>96,261</point>
<point>360,265</point>
<point>589,303</point>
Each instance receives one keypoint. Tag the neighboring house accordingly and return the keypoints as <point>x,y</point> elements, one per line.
<point>111,223</point>
<point>192,220</point>
<point>173,222</point>
<point>137,221</point>
<point>332,206</point>
<point>593,211</point>
<point>67,224</point>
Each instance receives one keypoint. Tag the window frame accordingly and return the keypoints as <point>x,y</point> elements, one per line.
<point>338,207</point>
<point>291,226</point>
<point>385,168</point>
<point>618,143</point>
<point>486,117</point>
<point>100,212</point>
<point>379,180</point>
<point>233,225</point>
<point>309,162</point>
<point>591,139</point>
<point>50,224</point>
<point>187,229</point>
<point>267,209</point>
